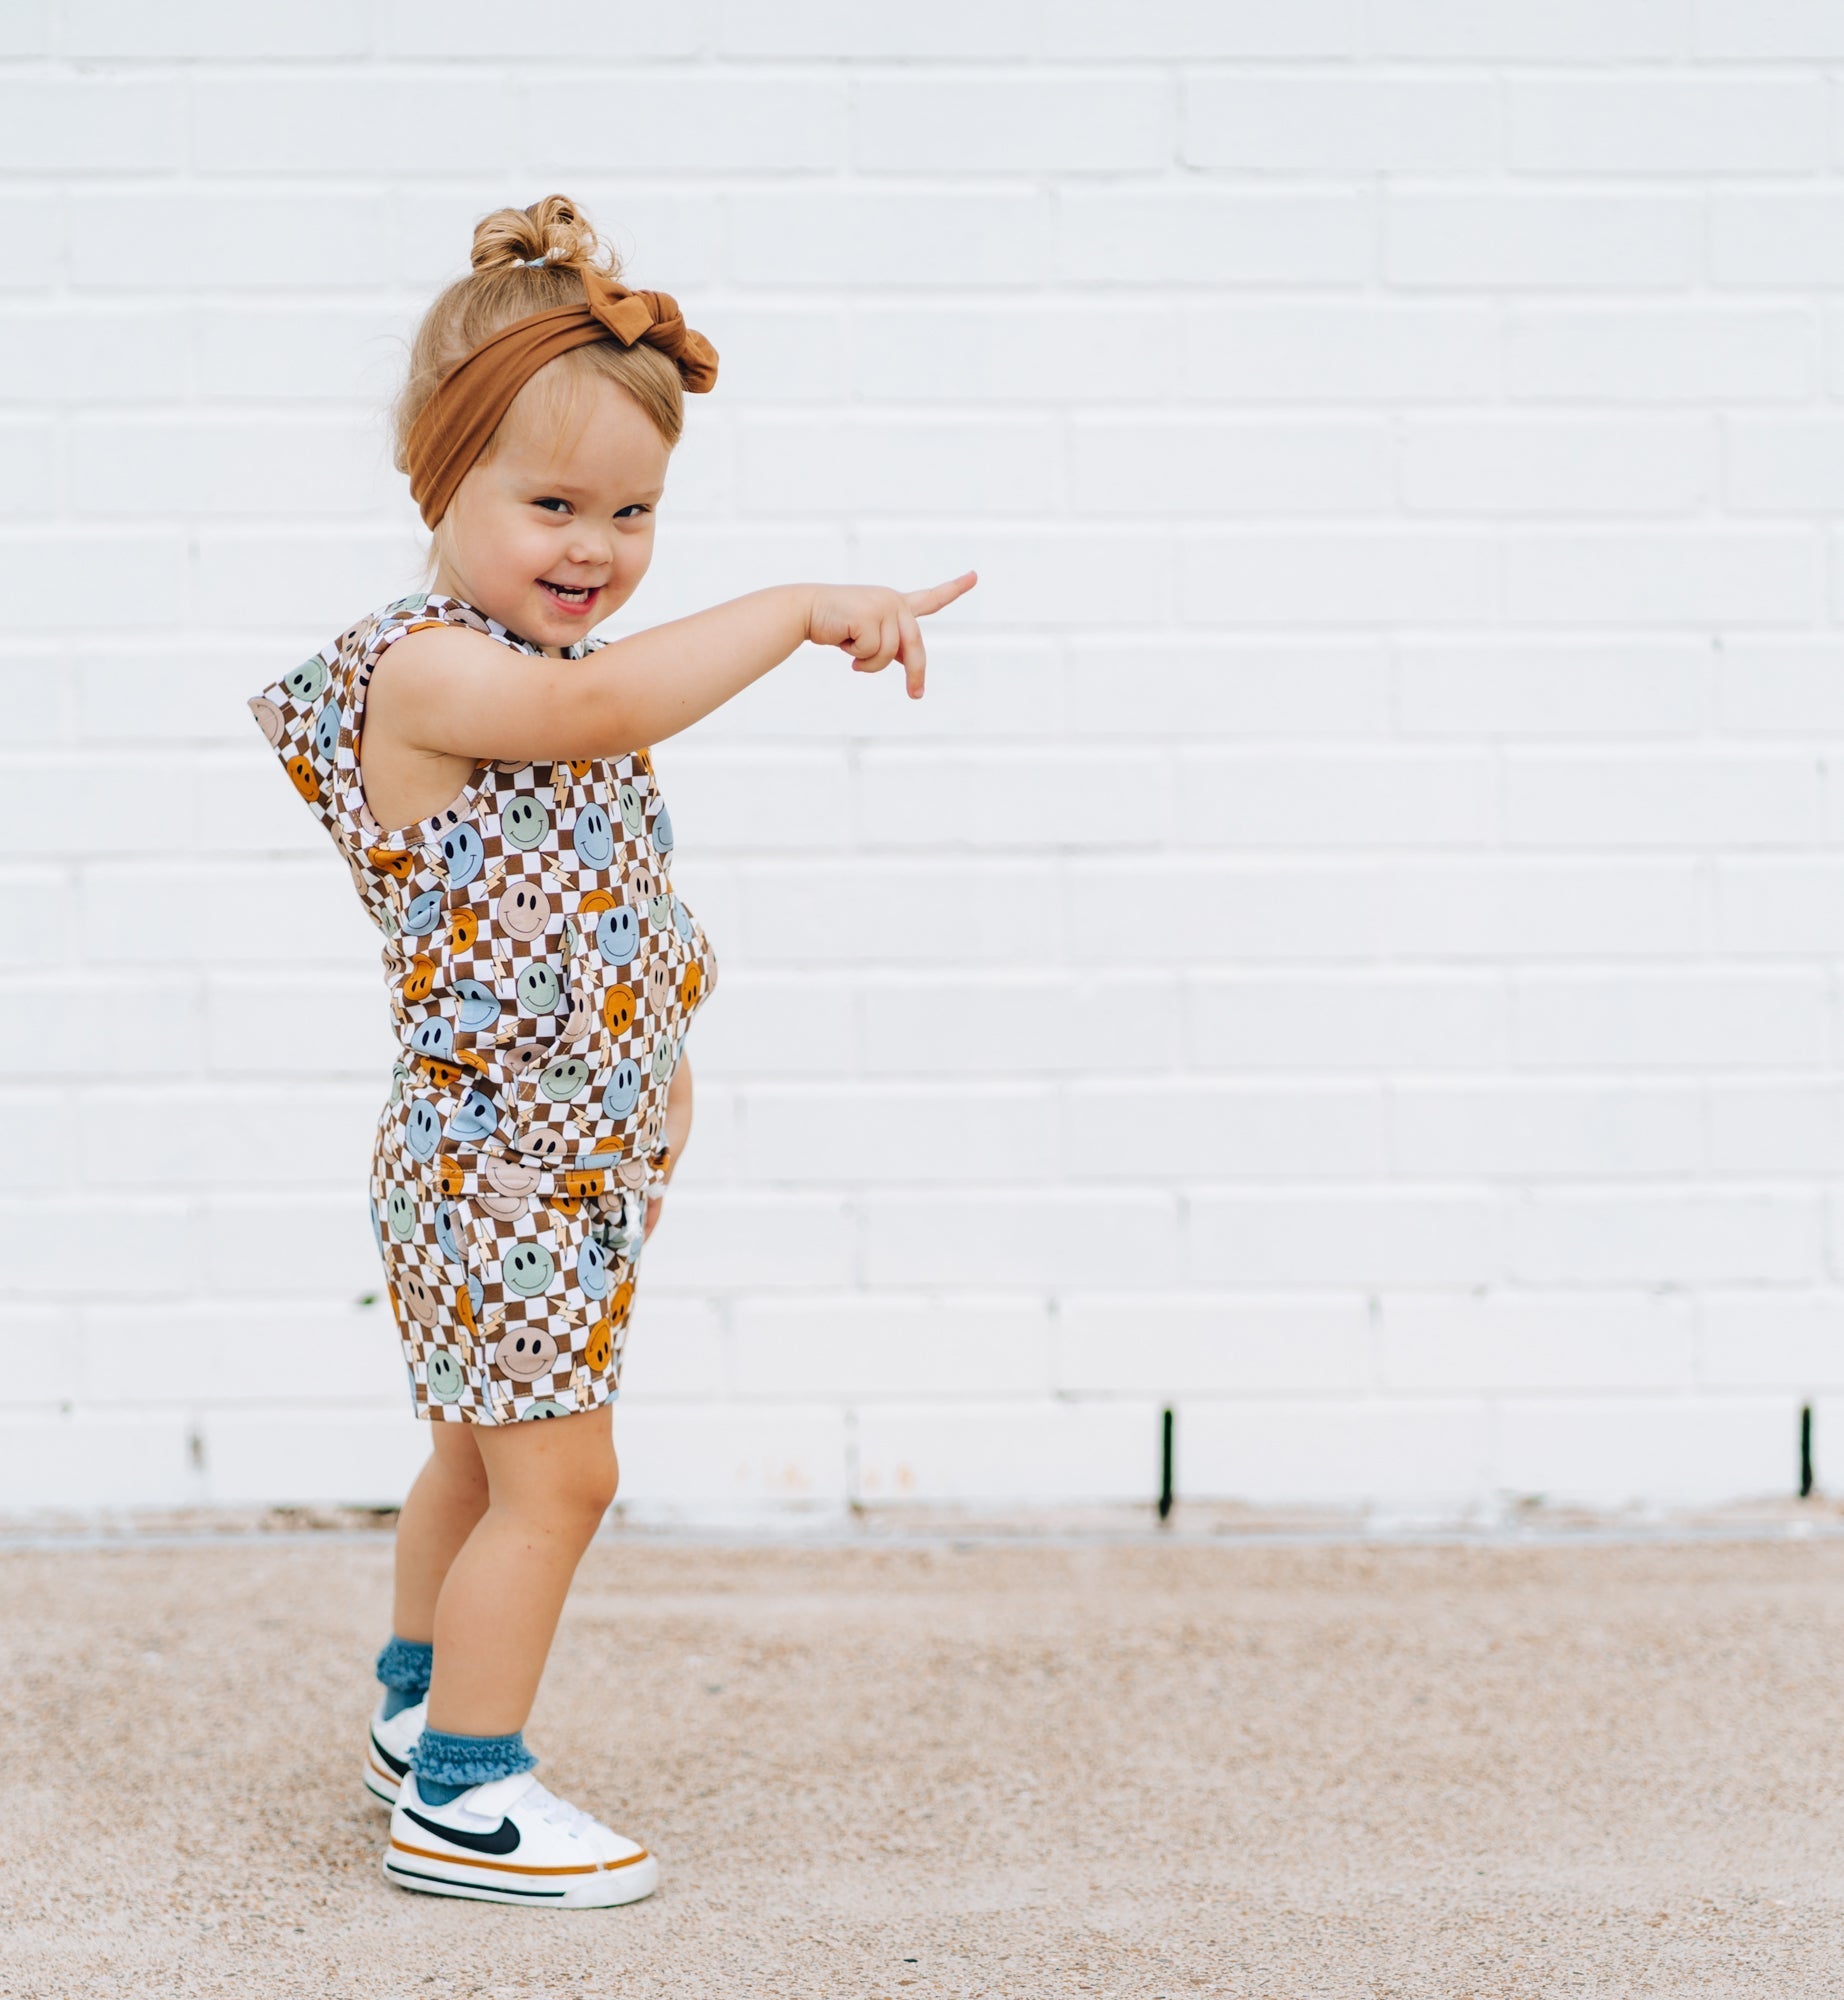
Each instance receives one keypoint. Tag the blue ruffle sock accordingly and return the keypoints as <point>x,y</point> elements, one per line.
<point>404,1666</point>
<point>446,1765</point>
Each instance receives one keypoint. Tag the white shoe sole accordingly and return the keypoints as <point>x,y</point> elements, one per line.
<point>536,1888</point>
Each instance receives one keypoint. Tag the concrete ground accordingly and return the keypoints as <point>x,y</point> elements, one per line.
<point>962,1767</point>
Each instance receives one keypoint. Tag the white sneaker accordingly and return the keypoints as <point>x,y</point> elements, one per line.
<point>511,1841</point>
<point>388,1745</point>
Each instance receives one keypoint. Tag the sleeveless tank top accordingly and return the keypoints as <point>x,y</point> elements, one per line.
<point>542,973</point>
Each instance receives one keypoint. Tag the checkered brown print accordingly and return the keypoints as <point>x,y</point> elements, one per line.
<point>542,977</point>
<point>511,1289</point>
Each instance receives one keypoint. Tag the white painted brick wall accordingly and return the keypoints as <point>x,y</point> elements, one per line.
<point>1349,949</point>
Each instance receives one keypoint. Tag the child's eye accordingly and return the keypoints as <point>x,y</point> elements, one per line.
<point>553,501</point>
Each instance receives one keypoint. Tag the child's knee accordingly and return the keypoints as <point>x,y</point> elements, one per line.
<point>605,1483</point>
<point>597,1484</point>
<point>558,1479</point>
<point>582,1488</point>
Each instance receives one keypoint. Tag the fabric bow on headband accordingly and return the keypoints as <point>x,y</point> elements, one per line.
<point>469,401</point>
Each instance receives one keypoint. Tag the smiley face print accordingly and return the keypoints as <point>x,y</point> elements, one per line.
<point>447,1241</point>
<point>565,1080</point>
<point>527,1269</point>
<point>480,1006</point>
<point>473,1118</point>
<point>617,933</point>
<point>540,987</point>
<point>422,913</point>
<point>599,1350</point>
<point>592,834</point>
<point>578,1014</point>
<point>524,907</point>
<point>526,1352</point>
<point>422,1127</point>
<point>524,821</point>
<point>307,682</point>
<point>464,853</point>
<point>592,1267</point>
<point>619,1008</point>
<point>516,1291</point>
<point>434,1038</point>
<point>507,1186</point>
<point>414,1292</point>
<point>622,1091</point>
<point>540,977</point>
<point>418,977</point>
<point>444,1372</point>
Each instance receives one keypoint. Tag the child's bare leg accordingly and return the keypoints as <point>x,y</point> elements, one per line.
<point>438,1514</point>
<point>550,1482</point>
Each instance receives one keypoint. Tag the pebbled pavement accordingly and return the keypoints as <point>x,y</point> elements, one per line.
<point>1469,1773</point>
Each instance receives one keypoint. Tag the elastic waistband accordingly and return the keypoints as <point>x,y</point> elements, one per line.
<point>461,1169</point>
<point>459,1176</point>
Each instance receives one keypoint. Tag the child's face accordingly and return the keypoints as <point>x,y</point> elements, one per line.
<point>552,508</point>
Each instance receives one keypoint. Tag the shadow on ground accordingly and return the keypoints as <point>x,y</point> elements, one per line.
<point>962,1769</point>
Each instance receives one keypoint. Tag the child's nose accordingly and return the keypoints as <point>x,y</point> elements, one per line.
<point>590,550</point>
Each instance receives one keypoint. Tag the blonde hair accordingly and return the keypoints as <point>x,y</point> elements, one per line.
<point>506,284</point>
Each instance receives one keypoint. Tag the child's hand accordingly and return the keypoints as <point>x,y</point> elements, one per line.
<point>877,625</point>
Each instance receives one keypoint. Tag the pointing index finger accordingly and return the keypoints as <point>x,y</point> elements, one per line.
<point>932,599</point>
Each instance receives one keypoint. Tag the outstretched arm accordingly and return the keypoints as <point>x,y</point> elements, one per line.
<point>446,689</point>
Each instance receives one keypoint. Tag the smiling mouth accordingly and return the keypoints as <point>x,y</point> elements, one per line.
<point>575,595</point>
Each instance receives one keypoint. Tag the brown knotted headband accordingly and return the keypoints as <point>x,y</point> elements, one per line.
<point>469,401</point>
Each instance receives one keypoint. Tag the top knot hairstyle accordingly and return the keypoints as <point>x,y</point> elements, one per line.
<point>542,288</point>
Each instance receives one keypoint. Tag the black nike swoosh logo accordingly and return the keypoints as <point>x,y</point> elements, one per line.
<point>502,1840</point>
<point>396,1765</point>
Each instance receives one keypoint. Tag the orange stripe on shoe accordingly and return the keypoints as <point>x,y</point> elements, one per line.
<point>515,1867</point>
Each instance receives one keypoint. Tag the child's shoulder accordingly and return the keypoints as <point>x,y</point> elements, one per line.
<point>306,712</point>
<point>318,693</point>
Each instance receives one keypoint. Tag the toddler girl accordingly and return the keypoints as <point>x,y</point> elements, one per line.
<point>481,764</point>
